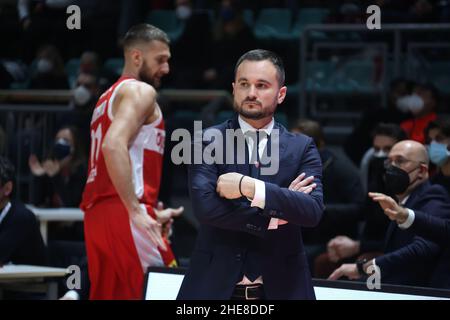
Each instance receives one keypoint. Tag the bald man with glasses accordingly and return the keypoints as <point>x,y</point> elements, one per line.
<point>408,259</point>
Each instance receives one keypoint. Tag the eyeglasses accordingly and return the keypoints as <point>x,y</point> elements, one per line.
<point>398,162</point>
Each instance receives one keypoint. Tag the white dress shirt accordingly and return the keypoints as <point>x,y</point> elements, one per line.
<point>411,216</point>
<point>259,200</point>
<point>5,211</point>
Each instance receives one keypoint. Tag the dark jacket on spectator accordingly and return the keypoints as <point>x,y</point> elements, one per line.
<point>410,259</point>
<point>20,239</point>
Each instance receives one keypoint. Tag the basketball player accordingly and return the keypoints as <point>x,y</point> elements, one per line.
<point>123,231</point>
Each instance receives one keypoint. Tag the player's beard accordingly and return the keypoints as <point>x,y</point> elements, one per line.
<point>145,75</point>
<point>253,114</point>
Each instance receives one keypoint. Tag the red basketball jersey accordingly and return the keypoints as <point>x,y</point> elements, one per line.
<point>146,155</point>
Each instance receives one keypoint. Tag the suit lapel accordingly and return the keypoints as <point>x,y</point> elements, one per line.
<point>279,144</point>
<point>239,167</point>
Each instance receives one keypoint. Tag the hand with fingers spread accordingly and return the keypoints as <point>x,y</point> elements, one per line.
<point>51,167</point>
<point>152,228</point>
<point>303,185</point>
<point>391,208</point>
<point>35,166</point>
<point>48,167</point>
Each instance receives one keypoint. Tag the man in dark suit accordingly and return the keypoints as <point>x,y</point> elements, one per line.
<point>423,224</point>
<point>250,243</point>
<point>408,259</point>
<point>428,226</point>
<point>20,238</point>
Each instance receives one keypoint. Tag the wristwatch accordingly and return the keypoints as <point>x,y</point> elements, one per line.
<point>360,266</point>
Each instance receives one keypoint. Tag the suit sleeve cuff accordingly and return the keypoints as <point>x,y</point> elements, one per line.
<point>259,200</point>
<point>409,221</point>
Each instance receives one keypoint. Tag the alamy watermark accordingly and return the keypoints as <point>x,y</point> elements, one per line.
<point>73,22</point>
<point>374,20</point>
<point>211,146</point>
<point>374,279</point>
<point>74,279</point>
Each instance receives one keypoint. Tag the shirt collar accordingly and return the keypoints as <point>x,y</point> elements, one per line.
<point>404,200</point>
<point>5,211</point>
<point>245,127</point>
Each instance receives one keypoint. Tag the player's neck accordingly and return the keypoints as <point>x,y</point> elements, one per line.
<point>129,73</point>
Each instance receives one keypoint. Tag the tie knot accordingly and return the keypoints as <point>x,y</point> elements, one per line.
<point>254,135</point>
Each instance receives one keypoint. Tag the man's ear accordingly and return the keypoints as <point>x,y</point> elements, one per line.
<point>7,189</point>
<point>423,170</point>
<point>282,94</point>
<point>136,56</point>
<point>232,85</point>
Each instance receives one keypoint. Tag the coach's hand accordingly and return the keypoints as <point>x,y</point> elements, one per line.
<point>228,186</point>
<point>303,185</point>
<point>391,208</point>
<point>349,270</point>
<point>149,226</point>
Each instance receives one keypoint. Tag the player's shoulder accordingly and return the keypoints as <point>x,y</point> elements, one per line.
<point>137,89</point>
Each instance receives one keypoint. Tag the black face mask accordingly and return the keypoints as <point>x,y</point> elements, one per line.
<point>376,166</point>
<point>61,149</point>
<point>397,180</point>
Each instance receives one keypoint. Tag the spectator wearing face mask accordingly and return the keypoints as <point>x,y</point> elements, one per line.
<point>62,174</point>
<point>85,95</point>
<point>439,153</point>
<point>422,104</point>
<point>426,225</point>
<point>408,259</point>
<point>368,244</point>
<point>49,70</point>
<point>183,9</point>
<point>90,82</point>
<point>360,139</point>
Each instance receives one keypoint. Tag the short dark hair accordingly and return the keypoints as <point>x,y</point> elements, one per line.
<point>391,130</point>
<point>429,86</point>
<point>7,171</point>
<point>260,55</point>
<point>144,32</point>
<point>310,128</point>
<point>443,124</point>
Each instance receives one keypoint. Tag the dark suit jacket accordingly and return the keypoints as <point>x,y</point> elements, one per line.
<point>231,228</point>
<point>436,229</point>
<point>410,259</point>
<point>431,227</point>
<point>20,238</point>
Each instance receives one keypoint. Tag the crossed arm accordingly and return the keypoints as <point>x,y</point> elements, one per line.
<point>213,198</point>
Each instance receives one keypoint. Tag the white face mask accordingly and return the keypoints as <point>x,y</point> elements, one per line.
<point>81,95</point>
<point>44,65</point>
<point>380,154</point>
<point>412,103</point>
<point>183,12</point>
<point>416,103</point>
